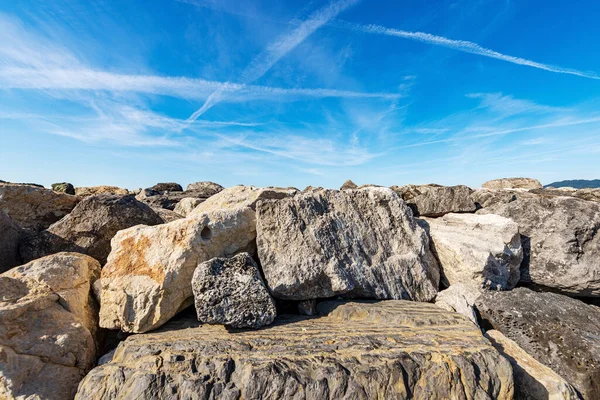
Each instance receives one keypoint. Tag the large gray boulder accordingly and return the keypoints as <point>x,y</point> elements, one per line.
<point>230,291</point>
<point>483,251</point>
<point>560,241</point>
<point>435,200</point>
<point>558,331</point>
<point>356,243</point>
<point>203,189</point>
<point>10,237</point>
<point>33,207</point>
<point>167,187</point>
<point>48,325</point>
<point>90,227</point>
<point>385,350</point>
<point>533,380</point>
<point>512,183</point>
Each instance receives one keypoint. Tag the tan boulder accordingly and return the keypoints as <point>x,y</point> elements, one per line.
<point>33,207</point>
<point>48,324</point>
<point>187,205</point>
<point>94,190</point>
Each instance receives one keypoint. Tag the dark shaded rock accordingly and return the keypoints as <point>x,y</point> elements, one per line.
<point>230,291</point>
<point>385,350</point>
<point>561,242</point>
<point>34,208</point>
<point>166,200</point>
<point>307,307</point>
<point>356,243</point>
<point>167,187</point>
<point>436,200</point>
<point>349,185</point>
<point>63,187</point>
<point>559,332</point>
<point>89,228</point>
<point>10,236</point>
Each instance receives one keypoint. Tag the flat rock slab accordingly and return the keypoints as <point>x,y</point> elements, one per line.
<point>361,243</point>
<point>512,183</point>
<point>436,200</point>
<point>386,350</point>
<point>558,331</point>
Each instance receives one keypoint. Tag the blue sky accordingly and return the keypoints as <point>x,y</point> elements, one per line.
<point>297,93</point>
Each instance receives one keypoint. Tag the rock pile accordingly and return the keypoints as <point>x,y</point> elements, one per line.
<point>415,291</point>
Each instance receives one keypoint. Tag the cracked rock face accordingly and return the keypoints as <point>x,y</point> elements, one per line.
<point>561,242</point>
<point>360,243</point>
<point>89,228</point>
<point>385,350</point>
<point>48,324</point>
<point>558,331</point>
<point>483,251</point>
<point>230,291</point>
<point>436,200</point>
<point>34,208</point>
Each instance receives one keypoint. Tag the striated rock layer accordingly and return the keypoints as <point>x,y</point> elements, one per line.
<point>435,200</point>
<point>386,350</point>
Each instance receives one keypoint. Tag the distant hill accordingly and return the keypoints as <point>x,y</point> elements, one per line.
<point>577,184</point>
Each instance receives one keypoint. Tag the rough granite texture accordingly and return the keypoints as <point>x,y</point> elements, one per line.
<point>230,291</point>
<point>386,350</point>
<point>360,243</point>
<point>558,331</point>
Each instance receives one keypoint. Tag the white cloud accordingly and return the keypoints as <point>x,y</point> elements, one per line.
<point>262,63</point>
<point>461,45</point>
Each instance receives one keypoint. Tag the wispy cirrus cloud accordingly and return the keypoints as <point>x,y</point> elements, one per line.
<point>262,63</point>
<point>460,45</point>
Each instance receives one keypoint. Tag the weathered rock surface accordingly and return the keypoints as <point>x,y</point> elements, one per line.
<point>230,291</point>
<point>533,380</point>
<point>512,183</point>
<point>387,350</point>
<point>356,243</point>
<point>483,251</point>
<point>558,331</point>
<point>459,298</point>
<point>48,323</point>
<point>148,276</point>
<point>167,187</point>
<point>203,189</point>
<point>63,187</point>
<point>187,205</point>
<point>584,194</point>
<point>488,197</point>
<point>436,200</point>
<point>561,242</point>
<point>33,207</point>
<point>10,237</point>
<point>89,228</point>
<point>94,190</point>
<point>349,185</point>
<point>156,199</point>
